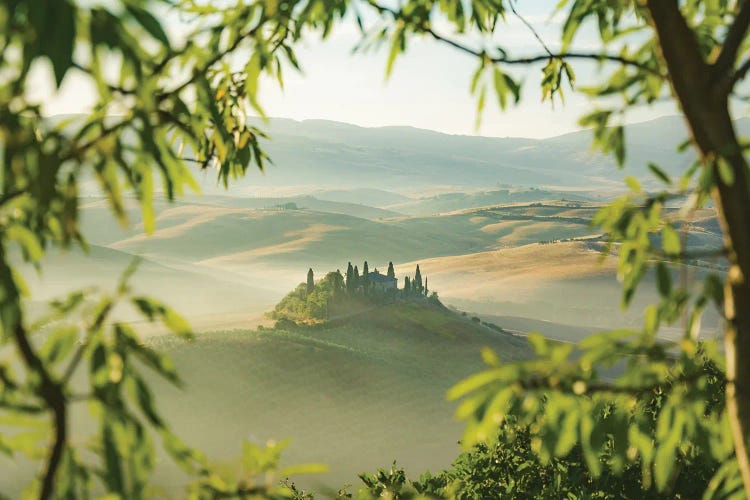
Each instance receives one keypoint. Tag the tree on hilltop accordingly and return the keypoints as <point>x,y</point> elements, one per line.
<point>417,284</point>
<point>365,278</point>
<point>310,281</point>
<point>350,278</point>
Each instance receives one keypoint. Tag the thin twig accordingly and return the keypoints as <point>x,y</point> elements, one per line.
<point>531,28</point>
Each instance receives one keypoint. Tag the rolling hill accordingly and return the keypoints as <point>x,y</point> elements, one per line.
<point>207,298</point>
<point>487,260</point>
<point>564,282</point>
<point>355,394</point>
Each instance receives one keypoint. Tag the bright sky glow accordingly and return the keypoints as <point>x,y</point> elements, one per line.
<point>429,87</point>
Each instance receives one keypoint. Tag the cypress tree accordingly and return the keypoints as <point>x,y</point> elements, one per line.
<point>366,277</point>
<point>426,291</point>
<point>310,281</point>
<point>391,272</point>
<point>407,285</point>
<point>355,276</point>
<point>417,284</point>
<point>350,278</point>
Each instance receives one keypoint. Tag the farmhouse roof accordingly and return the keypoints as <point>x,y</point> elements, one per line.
<point>376,277</point>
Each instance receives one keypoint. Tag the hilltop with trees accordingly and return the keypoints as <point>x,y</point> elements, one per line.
<point>336,295</point>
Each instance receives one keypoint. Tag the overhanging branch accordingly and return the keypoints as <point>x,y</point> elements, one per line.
<point>736,34</point>
<point>504,59</point>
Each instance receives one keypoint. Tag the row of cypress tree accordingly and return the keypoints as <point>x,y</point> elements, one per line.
<point>354,281</point>
<point>415,286</point>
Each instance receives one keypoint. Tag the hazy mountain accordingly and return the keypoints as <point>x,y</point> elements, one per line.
<point>347,163</point>
<point>319,152</point>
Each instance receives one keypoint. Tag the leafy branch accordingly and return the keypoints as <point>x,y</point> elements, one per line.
<point>423,26</point>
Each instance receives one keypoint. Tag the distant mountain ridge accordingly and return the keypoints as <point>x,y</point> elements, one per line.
<point>337,154</point>
<point>334,156</point>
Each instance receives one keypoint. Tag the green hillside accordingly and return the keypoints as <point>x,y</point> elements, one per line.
<point>235,237</point>
<point>242,236</point>
<point>355,394</point>
<point>448,202</point>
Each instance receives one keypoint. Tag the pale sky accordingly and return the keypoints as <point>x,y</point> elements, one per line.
<point>429,87</point>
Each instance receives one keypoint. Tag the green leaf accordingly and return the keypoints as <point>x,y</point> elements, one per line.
<point>633,184</point>
<point>490,357</point>
<point>146,401</point>
<point>538,343</point>
<point>149,23</point>
<point>27,239</point>
<point>147,200</point>
<point>56,32</point>
<point>726,173</point>
<point>474,382</point>
<point>670,240</point>
<point>124,281</point>
<point>661,174</point>
<point>568,434</point>
<point>59,344</point>
<point>617,144</point>
<point>663,279</point>
<point>713,288</point>
<point>504,84</point>
<point>113,467</point>
<point>651,319</point>
<point>397,46</point>
<point>590,453</point>
<point>153,309</point>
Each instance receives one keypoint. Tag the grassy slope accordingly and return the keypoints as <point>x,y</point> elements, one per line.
<point>355,395</point>
<point>447,202</point>
<point>224,233</point>
<point>249,236</point>
<point>565,282</point>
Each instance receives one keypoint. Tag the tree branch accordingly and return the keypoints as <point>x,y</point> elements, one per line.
<point>736,34</point>
<point>504,59</point>
<point>531,28</point>
<point>213,60</point>
<point>739,74</point>
<point>48,390</point>
<point>52,394</point>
